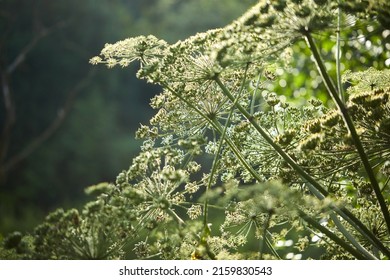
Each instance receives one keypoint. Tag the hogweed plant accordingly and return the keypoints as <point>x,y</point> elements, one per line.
<point>231,170</point>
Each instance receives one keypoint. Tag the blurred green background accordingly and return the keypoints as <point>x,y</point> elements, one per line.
<point>66,124</point>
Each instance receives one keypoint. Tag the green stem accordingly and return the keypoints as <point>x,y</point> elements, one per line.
<point>350,125</point>
<point>271,247</point>
<point>265,229</point>
<point>350,238</point>
<point>386,184</point>
<point>359,226</point>
<point>338,56</point>
<point>175,216</point>
<point>238,154</point>
<point>252,110</point>
<point>357,254</point>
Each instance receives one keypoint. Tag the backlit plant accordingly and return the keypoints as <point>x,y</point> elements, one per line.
<point>232,170</point>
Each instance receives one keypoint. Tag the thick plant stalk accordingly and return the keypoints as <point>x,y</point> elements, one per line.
<point>338,56</point>
<point>356,253</point>
<point>350,238</point>
<point>350,126</point>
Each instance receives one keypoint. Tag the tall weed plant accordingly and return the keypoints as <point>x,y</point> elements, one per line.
<point>231,169</point>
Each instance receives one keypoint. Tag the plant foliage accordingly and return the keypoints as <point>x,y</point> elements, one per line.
<point>231,170</point>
